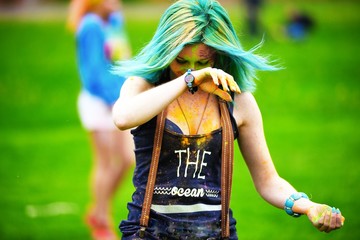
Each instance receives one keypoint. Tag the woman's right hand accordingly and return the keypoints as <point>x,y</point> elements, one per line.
<point>325,218</point>
<point>216,81</point>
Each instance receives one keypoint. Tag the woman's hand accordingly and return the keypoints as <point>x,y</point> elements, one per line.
<point>211,79</point>
<point>325,218</point>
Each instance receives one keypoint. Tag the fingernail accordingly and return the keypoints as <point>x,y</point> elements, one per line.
<point>333,210</point>
<point>338,211</point>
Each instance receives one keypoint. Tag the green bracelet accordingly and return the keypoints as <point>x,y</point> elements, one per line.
<point>289,203</point>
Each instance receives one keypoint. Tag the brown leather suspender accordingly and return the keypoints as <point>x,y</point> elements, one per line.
<point>227,156</point>
<point>145,214</point>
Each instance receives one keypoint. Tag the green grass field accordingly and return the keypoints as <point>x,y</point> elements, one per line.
<point>311,112</point>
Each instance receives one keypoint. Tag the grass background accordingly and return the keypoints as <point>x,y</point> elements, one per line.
<point>310,111</point>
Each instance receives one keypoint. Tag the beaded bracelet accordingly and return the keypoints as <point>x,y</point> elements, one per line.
<point>289,203</point>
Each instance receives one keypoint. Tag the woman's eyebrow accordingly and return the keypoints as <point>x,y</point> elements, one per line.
<point>204,59</point>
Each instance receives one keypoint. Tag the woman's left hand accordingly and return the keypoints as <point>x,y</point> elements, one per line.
<point>211,79</point>
<point>325,218</point>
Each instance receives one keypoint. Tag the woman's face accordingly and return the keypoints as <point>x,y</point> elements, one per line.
<point>195,57</point>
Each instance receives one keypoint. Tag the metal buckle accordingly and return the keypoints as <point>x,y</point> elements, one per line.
<point>142,232</point>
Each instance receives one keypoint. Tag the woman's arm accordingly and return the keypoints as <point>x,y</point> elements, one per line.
<point>254,149</point>
<point>140,101</point>
<point>268,183</point>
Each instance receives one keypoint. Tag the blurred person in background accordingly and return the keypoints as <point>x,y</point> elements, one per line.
<point>299,23</point>
<point>253,11</point>
<point>101,40</point>
<point>191,76</point>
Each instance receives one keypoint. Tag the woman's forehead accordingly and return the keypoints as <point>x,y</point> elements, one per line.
<point>201,50</point>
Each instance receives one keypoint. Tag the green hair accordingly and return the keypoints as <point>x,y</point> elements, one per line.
<point>189,22</point>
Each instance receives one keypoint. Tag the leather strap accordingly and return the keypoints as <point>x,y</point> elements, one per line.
<point>145,214</point>
<point>227,156</point>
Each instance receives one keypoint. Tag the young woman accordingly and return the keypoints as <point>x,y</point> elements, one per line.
<point>100,41</point>
<point>193,60</point>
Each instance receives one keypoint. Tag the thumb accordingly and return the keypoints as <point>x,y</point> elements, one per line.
<point>223,94</point>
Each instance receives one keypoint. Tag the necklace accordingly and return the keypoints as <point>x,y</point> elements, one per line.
<point>202,114</point>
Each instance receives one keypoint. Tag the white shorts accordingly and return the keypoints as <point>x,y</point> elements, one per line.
<point>94,113</point>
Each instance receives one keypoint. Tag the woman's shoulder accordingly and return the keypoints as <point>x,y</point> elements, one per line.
<point>245,107</point>
<point>244,99</point>
<point>134,85</point>
<point>139,81</point>
<point>92,18</point>
<point>90,21</point>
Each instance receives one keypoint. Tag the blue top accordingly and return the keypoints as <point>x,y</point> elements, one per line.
<point>187,196</point>
<point>93,63</point>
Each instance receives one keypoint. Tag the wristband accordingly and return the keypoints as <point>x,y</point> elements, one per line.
<point>189,80</point>
<point>289,203</point>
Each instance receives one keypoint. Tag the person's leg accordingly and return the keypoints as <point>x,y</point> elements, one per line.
<point>113,153</point>
<point>253,19</point>
<point>122,154</point>
<point>101,180</point>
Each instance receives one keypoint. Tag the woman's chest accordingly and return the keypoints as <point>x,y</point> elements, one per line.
<point>195,117</point>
